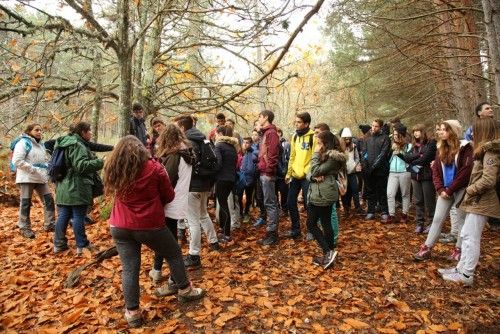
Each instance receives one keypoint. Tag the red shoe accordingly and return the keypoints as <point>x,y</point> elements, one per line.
<point>455,255</point>
<point>423,254</point>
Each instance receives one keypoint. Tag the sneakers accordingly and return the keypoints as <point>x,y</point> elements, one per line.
<point>215,246</point>
<point>79,250</point>
<point>235,225</point>
<point>329,258</point>
<point>404,218</point>
<point>318,260</point>
<point>260,222</point>
<point>386,219</point>
<point>155,275</point>
<point>246,218</point>
<point>447,271</point>
<point>459,278</point>
<point>224,239</point>
<point>270,239</point>
<point>448,239</point>
<point>192,261</point>
<point>168,289</point>
<point>369,216</point>
<point>309,236</point>
<point>59,249</point>
<point>28,233</point>
<point>423,254</point>
<point>455,255</point>
<point>134,318</point>
<point>419,229</point>
<point>427,229</point>
<point>293,234</point>
<point>50,227</point>
<point>190,294</point>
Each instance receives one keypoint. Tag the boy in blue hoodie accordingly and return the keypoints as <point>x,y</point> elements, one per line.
<point>248,171</point>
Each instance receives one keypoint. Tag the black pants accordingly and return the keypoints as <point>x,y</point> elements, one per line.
<point>376,185</point>
<point>324,214</point>
<point>249,190</point>
<point>172,227</point>
<point>282,190</point>
<point>222,191</point>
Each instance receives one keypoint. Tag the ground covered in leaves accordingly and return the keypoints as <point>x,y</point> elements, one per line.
<point>374,287</point>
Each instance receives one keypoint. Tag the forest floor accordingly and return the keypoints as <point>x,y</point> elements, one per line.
<point>375,286</point>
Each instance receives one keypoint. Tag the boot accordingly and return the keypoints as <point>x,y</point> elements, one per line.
<point>271,238</point>
<point>49,213</point>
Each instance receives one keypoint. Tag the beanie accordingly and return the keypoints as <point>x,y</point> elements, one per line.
<point>455,126</point>
<point>346,133</point>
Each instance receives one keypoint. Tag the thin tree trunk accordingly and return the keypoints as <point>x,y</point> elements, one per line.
<point>125,65</point>
<point>491,9</point>
<point>96,111</point>
<point>139,52</point>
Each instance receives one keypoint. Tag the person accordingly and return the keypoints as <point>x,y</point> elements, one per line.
<point>249,171</point>
<point>480,200</point>
<point>31,175</point>
<point>301,151</point>
<point>157,126</point>
<point>353,165</point>
<point>220,119</point>
<point>176,154</point>
<point>422,153</point>
<point>362,175</point>
<point>399,176</point>
<point>259,195</point>
<point>483,110</point>
<point>141,188</point>
<point>226,152</point>
<point>267,166</point>
<point>74,192</point>
<point>377,170</point>
<point>322,193</point>
<point>451,171</point>
<point>281,185</point>
<point>230,122</point>
<point>137,127</point>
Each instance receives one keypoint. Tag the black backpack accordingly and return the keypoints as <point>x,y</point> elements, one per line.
<point>57,166</point>
<point>207,160</point>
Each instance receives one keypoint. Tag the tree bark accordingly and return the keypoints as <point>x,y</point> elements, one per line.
<point>491,9</point>
<point>125,66</point>
<point>96,111</point>
<point>139,53</point>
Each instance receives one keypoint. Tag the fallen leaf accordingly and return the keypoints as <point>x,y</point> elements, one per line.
<point>357,324</point>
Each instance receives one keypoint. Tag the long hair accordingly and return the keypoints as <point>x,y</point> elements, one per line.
<point>80,128</point>
<point>448,148</point>
<point>124,165</point>
<point>30,127</point>
<point>423,135</point>
<point>484,130</point>
<point>330,142</point>
<point>171,140</point>
<point>398,146</point>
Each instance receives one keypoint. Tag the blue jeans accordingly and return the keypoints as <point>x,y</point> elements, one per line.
<point>293,193</point>
<point>77,213</point>
<point>270,201</point>
<point>352,192</point>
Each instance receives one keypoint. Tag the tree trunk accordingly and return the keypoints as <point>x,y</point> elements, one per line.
<point>151,51</point>
<point>491,9</point>
<point>96,111</point>
<point>139,52</point>
<point>125,65</point>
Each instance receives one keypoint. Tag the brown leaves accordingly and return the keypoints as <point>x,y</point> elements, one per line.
<point>356,324</point>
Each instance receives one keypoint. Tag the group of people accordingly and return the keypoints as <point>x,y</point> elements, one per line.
<point>162,182</point>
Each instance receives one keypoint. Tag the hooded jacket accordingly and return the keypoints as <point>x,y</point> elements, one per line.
<point>225,150</point>
<point>326,192</point>
<point>481,196</point>
<point>142,208</point>
<point>249,166</point>
<point>301,153</point>
<point>269,151</point>
<point>198,183</point>
<point>30,160</point>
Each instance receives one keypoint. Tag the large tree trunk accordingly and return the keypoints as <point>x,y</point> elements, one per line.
<point>96,111</point>
<point>151,52</point>
<point>125,65</point>
<point>491,9</point>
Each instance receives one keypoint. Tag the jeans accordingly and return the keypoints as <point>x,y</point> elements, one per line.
<point>77,213</point>
<point>352,192</point>
<point>43,191</point>
<point>222,191</point>
<point>401,181</point>
<point>198,219</point>
<point>376,187</point>
<point>128,244</point>
<point>270,201</point>
<point>172,227</point>
<point>471,243</point>
<point>296,185</point>
<point>425,200</point>
<point>325,239</point>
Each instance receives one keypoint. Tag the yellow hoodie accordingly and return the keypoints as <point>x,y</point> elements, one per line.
<point>300,155</point>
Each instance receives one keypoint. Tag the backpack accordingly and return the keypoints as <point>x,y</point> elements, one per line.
<point>28,146</point>
<point>207,162</point>
<point>282,167</point>
<point>57,168</point>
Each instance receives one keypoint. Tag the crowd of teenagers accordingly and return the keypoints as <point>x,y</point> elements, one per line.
<point>162,183</point>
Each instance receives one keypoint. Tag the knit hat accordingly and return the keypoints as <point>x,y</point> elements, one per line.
<point>364,128</point>
<point>401,129</point>
<point>455,126</point>
<point>346,133</point>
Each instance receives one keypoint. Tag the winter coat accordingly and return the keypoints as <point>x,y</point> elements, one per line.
<point>397,164</point>
<point>198,183</point>
<point>419,159</point>
<point>30,160</point>
<point>225,149</point>
<point>301,152</point>
<point>138,128</point>
<point>81,165</point>
<point>377,153</point>
<point>326,192</point>
<point>179,167</point>
<point>463,161</point>
<point>481,196</point>
<point>269,151</point>
<point>142,207</point>
<point>249,167</point>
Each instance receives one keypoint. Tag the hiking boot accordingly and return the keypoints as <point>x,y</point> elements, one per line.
<point>28,233</point>
<point>215,246</point>
<point>386,219</point>
<point>329,259</point>
<point>155,275</point>
<point>293,235</point>
<point>404,218</point>
<point>423,254</point>
<point>369,216</point>
<point>246,218</point>
<point>224,239</point>
<point>192,261</point>
<point>318,260</point>
<point>448,239</point>
<point>309,236</point>
<point>459,278</point>
<point>60,249</point>
<point>190,294</point>
<point>270,239</point>
<point>419,229</point>
<point>455,255</point>
<point>168,289</point>
<point>134,318</point>
<point>447,271</point>
<point>91,248</point>
<point>50,227</point>
<point>260,222</point>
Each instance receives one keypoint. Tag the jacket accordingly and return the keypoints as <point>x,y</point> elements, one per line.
<point>397,164</point>
<point>142,207</point>
<point>225,150</point>
<point>481,196</point>
<point>326,192</point>
<point>81,164</point>
<point>94,147</point>
<point>30,160</point>
<point>138,128</point>
<point>352,160</point>
<point>198,183</point>
<point>463,161</point>
<point>301,153</point>
<point>377,153</point>
<point>249,167</point>
<point>419,159</point>
<point>268,151</point>
<point>179,168</point>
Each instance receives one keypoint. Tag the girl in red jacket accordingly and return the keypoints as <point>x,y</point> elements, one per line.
<point>450,174</point>
<point>141,189</point>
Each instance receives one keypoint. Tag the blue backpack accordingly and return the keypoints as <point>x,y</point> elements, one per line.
<point>28,147</point>
<point>57,166</point>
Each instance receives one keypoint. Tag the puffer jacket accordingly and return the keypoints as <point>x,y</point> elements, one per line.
<point>31,166</point>
<point>225,150</point>
<point>481,195</point>
<point>81,163</point>
<point>420,158</point>
<point>326,192</point>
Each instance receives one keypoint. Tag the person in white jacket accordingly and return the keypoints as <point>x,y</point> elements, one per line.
<point>30,160</point>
